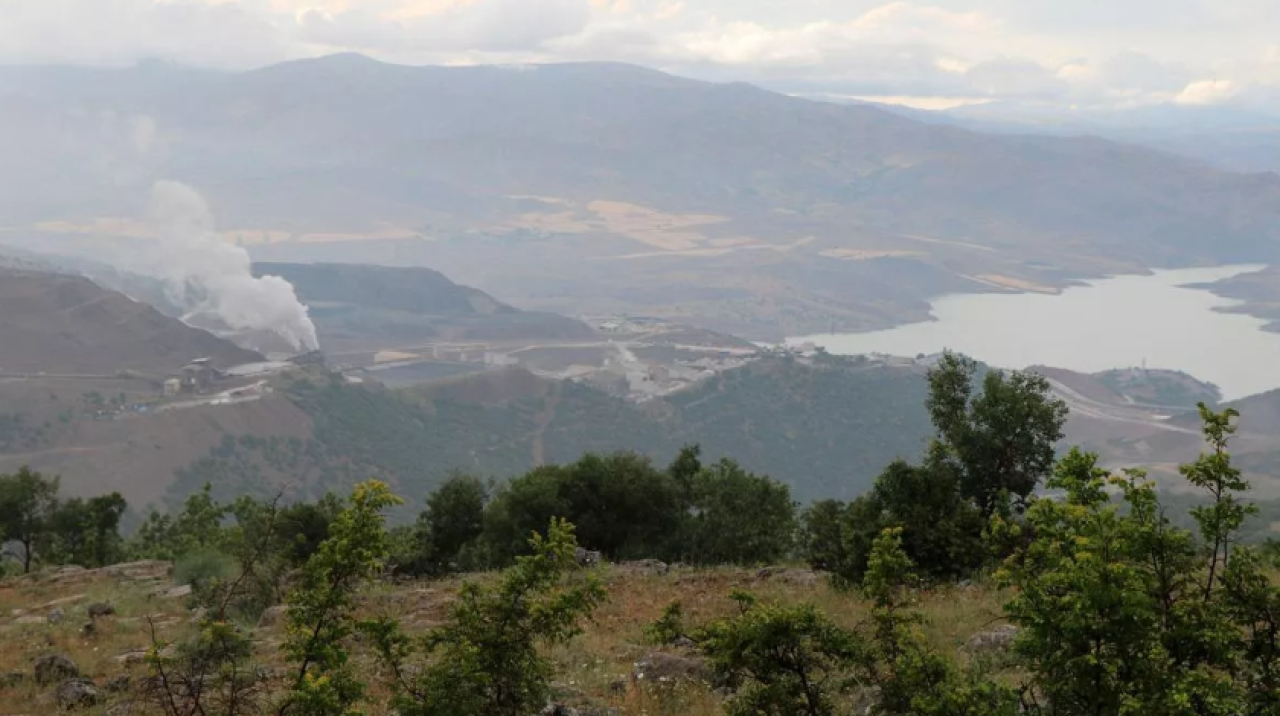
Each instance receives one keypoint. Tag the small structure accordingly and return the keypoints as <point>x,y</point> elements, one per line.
<point>171,387</point>
<point>198,376</point>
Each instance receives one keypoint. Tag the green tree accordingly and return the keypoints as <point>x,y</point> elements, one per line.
<point>737,518</point>
<point>942,532</point>
<point>487,661</point>
<point>86,532</point>
<point>620,504</point>
<point>322,607</point>
<point>28,501</point>
<point>1123,613</point>
<point>198,526</point>
<point>784,660</point>
<point>1003,439</point>
<point>449,529</point>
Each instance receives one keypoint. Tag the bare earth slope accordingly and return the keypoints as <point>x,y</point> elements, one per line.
<point>58,324</point>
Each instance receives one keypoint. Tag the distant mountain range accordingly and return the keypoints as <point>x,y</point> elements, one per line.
<point>607,188</point>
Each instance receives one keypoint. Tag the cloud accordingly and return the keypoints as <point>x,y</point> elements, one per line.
<point>1206,92</point>
<point>1088,52</point>
<point>1015,79</point>
<point>480,26</point>
<point>115,32</point>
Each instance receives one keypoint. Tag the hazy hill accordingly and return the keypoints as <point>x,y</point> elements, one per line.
<point>54,323</point>
<point>602,186</point>
<point>370,307</point>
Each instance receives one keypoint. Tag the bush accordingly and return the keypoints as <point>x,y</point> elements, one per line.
<point>203,568</point>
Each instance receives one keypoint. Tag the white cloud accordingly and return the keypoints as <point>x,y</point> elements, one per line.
<point>1088,52</point>
<point>1203,92</point>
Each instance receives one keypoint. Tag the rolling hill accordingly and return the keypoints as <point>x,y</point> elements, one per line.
<point>608,188</point>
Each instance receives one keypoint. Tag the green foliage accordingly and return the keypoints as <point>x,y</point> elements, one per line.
<point>912,679</point>
<point>785,660</point>
<point>989,449</point>
<point>1123,613</point>
<point>211,673</point>
<point>28,502</point>
<point>86,532</point>
<point>198,526</point>
<point>203,567</point>
<point>620,504</point>
<point>321,608</point>
<point>486,660</point>
<point>1002,441</point>
<point>737,517</point>
<point>448,531</point>
<point>667,628</point>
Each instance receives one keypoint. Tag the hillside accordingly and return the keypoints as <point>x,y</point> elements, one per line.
<point>825,430</point>
<point>59,324</point>
<point>609,188</point>
<point>367,307</point>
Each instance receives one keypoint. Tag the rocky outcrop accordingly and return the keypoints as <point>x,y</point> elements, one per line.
<point>989,642</point>
<point>98,610</point>
<point>77,694</point>
<point>662,668</point>
<point>53,668</point>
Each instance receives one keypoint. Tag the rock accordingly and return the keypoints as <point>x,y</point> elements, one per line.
<point>685,643</point>
<point>89,630</point>
<point>99,610</point>
<point>661,668</point>
<point>618,686</point>
<point>788,575</point>
<point>52,668</point>
<point>586,557</point>
<point>644,567</point>
<point>131,658</point>
<point>998,639</point>
<point>145,570</point>
<point>273,616</point>
<point>77,694</point>
<point>56,616</point>
<point>118,685</point>
<point>13,678</point>
<point>178,592</point>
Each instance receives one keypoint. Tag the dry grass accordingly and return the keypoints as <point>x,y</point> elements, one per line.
<point>593,668</point>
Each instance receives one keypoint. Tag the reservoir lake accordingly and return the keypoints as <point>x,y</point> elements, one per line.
<point>1116,322</point>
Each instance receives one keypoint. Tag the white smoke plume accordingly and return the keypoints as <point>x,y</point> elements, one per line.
<point>211,279</point>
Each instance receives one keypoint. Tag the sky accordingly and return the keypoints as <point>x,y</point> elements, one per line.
<point>1083,54</point>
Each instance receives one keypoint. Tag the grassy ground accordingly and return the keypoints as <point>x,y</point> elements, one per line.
<point>594,668</point>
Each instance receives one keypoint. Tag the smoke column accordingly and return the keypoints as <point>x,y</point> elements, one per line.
<point>212,279</point>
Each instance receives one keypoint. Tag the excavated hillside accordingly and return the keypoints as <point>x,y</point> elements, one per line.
<point>67,325</point>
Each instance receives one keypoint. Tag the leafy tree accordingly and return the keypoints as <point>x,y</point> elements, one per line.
<point>620,504</point>
<point>1123,613</point>
<point>322,607</point>
<point>941,531</point>
<point>86,532</point>
<point>28,501</point>
<point>197,526</point>
<point>450,527</point>
<point>486,661</point>
<point>737,518</point>
<point>785,660</point>
<point>1003,439</point>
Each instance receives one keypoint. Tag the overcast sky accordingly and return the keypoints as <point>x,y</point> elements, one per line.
<point>1086,53</point>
